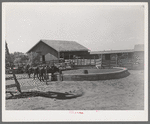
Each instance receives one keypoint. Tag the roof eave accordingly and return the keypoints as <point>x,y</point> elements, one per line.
<point>33,46</point>
<point>105,52</point>
<point>72,50</point>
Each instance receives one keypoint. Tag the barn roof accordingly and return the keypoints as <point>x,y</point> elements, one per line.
<point>60,45</point>
<point>139,47</point>
<point>111,51</point>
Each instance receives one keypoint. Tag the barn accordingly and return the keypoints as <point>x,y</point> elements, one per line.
<point>124,58</point>
<point>139,53</point>
<point>113,57</point>
<point>55,49</point>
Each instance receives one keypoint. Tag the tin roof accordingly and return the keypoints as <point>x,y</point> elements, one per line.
<point>112,51</point>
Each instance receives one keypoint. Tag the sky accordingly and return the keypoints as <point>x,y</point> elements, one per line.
<point>97,27</point>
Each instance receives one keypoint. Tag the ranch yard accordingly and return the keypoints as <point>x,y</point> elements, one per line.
<point>117,94</point>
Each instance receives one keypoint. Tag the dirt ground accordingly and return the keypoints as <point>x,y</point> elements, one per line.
<point>118,94</point>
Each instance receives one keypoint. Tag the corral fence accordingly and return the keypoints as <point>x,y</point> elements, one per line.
<point>73,61</point>
<point>62,64</point>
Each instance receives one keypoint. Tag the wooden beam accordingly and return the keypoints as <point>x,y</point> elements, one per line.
<point>116,59</point>
<point>94,60</point>
<point>101,59</point>
<point>90,61</point>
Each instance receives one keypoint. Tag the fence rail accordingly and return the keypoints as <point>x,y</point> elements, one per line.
<point>73,61</point>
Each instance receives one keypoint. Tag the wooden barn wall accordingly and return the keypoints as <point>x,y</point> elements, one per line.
<point>44,49</point>
<point>71,54</point>
<point>50,57</point>
<point>112,56</point>
<point>115,59</point>
<point>122,59</point>
<point>139,56</point>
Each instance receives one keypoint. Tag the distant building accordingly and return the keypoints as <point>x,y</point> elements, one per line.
<point>80,55</point>
<point>55,49</point>
<point>124,58</point>
<point>139,54</point>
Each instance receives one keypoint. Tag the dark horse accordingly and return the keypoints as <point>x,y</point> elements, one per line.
<point>40,71</point>
<point>53,69</point>
<point>33,70</point>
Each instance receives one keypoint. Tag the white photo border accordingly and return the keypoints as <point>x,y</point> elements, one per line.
<point>91,115</point>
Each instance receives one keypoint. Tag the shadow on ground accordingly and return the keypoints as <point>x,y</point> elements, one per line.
<point>56,95</point>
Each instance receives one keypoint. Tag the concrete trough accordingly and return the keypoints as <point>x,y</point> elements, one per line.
<point>97,76</point>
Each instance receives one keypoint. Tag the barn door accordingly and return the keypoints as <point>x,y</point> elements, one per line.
<point>107,57</point>
<point>43,58</point>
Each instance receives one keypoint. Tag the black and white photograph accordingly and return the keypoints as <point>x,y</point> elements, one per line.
<point>75,61</point>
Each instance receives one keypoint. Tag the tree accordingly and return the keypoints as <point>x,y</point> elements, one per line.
<point>20,57</point>
<point>34,58</point>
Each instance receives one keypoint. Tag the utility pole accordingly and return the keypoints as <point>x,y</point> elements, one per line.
<point>14,76</point>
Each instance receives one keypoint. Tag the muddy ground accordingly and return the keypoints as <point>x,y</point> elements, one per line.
<point>118,94</point>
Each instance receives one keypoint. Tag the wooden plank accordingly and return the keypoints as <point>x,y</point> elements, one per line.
<point>10,86</point>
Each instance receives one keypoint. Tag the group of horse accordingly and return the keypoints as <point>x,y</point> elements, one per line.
<point>42,71</point>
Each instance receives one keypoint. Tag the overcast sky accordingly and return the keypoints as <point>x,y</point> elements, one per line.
<point>97,27</point>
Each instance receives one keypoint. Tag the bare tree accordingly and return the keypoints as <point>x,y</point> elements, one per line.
<point>9,59</point>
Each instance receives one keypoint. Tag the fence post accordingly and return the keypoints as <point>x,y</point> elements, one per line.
<point>90,61</point>
<point>94,60</point>
<point>83,61</point>
<point>101,60</point>
<point>116,60</point>
<point>46,75</point>
<point>60,78</point>
<point>69,57</point>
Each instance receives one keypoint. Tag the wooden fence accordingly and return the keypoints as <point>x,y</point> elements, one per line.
<point>109,63</point>
<point>93,62</point>
<point>71,61</point>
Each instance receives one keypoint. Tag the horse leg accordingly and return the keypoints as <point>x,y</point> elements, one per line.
<point>37,75</point>
<point>29,74</point>
<point>42,77</point>
<point>34,75</point>
<point>52,76</point>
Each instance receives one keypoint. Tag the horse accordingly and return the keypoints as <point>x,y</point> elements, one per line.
<point>53,69</point>
<point>32,70</point>
<point>48,69</point>
<point>36,71</point>
<point>28,70</point>
<point>40,71</point>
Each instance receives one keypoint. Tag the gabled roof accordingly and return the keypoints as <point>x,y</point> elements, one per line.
<point>139,47</point>
<point>60,45</point>
<point>112,51</point>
